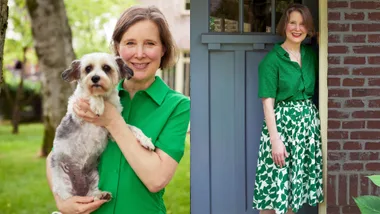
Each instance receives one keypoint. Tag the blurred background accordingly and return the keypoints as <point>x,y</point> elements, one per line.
<point>41,41</point>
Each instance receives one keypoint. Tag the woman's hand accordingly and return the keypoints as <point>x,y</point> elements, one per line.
<point>83,110</point>
<point>78,205</point>
<point>278,152</point>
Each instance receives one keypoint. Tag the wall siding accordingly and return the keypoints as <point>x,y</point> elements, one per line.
<point>354,102</point>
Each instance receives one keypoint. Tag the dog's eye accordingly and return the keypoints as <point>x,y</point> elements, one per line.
<point>106,68</point>
<point>88,68</point>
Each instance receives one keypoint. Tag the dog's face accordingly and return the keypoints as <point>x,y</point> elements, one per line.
<point>97,72</point>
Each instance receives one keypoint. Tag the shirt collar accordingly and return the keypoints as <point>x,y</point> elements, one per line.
<point>157,90</point>
<point>283,52</point>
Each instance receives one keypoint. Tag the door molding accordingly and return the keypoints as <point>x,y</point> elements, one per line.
<point>323,93</point>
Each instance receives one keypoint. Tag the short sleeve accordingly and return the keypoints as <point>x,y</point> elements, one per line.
<point>172,137</point>
<point>268,79</point>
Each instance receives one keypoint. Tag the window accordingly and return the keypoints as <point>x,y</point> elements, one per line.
<point>257,15</point>
<point>187,4</point>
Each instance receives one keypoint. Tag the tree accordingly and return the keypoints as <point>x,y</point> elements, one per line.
<point>53,44</point>
<point>16,47</point>
<point>3,29</point>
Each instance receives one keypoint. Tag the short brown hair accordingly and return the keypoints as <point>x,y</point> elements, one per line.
<point>306,15</point>
<point>135,14</point>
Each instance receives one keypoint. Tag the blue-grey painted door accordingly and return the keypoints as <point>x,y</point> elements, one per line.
<point>226,114</point>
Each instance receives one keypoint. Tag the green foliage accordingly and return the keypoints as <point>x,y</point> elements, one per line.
<point>91,21</point>
<point>369,204</point>
<point>23,186</point>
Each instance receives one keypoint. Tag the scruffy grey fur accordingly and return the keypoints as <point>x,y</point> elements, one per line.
<point>78,144</point>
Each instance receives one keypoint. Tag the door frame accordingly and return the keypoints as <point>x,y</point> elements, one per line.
<point>323,92</point>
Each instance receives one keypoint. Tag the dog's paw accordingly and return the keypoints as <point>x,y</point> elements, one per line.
<point>145,141</point>
<point>97,105</point>
<point>102,195</point>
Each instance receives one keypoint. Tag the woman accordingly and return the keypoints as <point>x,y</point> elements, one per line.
<point>289,170</point>
<point>135,176</point>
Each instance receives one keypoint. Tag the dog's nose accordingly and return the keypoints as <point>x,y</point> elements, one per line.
<point>95,79</point>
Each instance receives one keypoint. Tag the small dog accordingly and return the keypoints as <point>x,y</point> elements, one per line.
<point>78,144</point>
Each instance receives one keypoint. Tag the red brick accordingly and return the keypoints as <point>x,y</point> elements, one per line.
<point>333,156</point>
<point>350,210</point>
<point>334,16</point>
<point>374,104</point>
<point>338,71</point>
<point>338,114</point>
<point>342,194</point>
<point>337,135</point>
<point>353,124</point>
<point>374,190</point>
<point>333,60</point>
<point>374,81</point>
<point>353,82</point>
<point>352,60</point>
<point>364,156</point>
<point>333,167</point>
<point>335,27</point>
<point>333,124</point>
<point>332,209</point>
<point>365,71</point>
<point>354,16</point>
<point>333,81</point>
<point>338,49</point>
<point>366,49</point>
<point>374,16</point>
<point>372,166</point>
<point>373,124</point>
<point>333,104</point>
<point>339,4</point>
<point>362,92</point>
<point>374,60</point>
<point>365,135</point>
<point>372,146</point>
<point>333,145</point>
<point>365,5</point>
<point>353,104</point>
<point>352,145</point>
<point>354,38</point>
<point>331,190</point>
<point>363,27</point>
<point>366,114</point>
<point>353,187</point>
<point>364,187</point>
<point>374,38</point>
<point>339,93</point>
<point>334,38</point>
<point>352,167</point>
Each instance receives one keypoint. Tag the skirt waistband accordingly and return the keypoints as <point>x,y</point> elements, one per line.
<point>295,103</point>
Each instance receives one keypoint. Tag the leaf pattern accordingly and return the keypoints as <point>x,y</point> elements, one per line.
<point>300,181</point>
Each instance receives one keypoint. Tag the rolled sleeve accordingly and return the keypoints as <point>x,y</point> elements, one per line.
<point>268,80</point>
<point>172,138</point>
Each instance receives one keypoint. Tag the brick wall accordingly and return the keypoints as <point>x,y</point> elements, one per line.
<point>354,101</point>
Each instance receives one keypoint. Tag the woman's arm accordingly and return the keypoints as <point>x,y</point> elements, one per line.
<point>278,148</point>
<point>155,169</point>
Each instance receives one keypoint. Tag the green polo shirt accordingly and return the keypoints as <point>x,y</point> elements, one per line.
<point>163,115</point>
<point>285,80</point>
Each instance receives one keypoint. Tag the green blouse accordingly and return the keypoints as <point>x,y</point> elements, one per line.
<point>163,115</point>
<point>285,80</point>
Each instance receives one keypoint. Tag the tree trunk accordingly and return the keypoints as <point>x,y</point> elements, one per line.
<point>17,105</point>
<point>3,29</point>
<point>53,43</point>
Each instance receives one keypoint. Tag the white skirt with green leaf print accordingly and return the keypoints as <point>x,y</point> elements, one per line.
<point>300,181</point>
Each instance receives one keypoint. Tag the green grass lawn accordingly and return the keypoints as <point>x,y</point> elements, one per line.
<point>23,185</point>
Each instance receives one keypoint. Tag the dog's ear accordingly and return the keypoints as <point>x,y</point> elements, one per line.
<point>125,71</point>
<point>72,73</point>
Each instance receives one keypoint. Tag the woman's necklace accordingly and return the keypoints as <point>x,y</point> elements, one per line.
<point>295,56</point>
